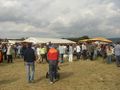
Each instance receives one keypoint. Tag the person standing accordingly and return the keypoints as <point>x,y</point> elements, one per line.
<point>84,51</point>
<point>1,56</point>
<point>42,53</point>
<point>29,58</point>
<point>78,51</point>
<point>9,54</point>
<point>90,48</point>
<point>53,56</point>
<point>70,53</point>
<point>19,47</point>
<point>61,52</point>
<point>109,54</point>
<point>23,50</point>
<point>117,53</point>
<point>4,50</point>
<point>103,51</point>
<point>38,53</point>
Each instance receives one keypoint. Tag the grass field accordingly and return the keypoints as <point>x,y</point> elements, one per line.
<point>78,75</point>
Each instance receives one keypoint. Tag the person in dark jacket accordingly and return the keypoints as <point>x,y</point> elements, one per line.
<point>4,50</point>
<point>29,58</point>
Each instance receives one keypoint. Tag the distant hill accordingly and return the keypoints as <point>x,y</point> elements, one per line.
<point>115,39</point>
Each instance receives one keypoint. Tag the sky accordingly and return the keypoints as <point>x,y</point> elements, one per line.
<point>59,18</point>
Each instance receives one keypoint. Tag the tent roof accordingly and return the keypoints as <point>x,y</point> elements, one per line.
<point>14,41</point>
<point>101,39</point>
<point>46,40</point>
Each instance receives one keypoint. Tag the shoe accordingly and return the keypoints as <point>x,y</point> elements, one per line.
<point>118,65</point>
<point>58,68</point>
<point>51,82</point>
<point>32,81</point>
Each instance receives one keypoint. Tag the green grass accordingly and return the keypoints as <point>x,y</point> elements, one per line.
<point>78,75</point>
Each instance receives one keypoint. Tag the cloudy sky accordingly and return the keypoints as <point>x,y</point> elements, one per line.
<point>59,18</point>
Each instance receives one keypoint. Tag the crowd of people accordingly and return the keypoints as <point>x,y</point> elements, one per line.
<point>55,54</point>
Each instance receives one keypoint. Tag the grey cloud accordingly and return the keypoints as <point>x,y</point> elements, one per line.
<point>55,18</point>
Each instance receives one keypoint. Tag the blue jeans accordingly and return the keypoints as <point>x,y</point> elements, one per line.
<point>109,59</point>
<point>30,67</point>
<point>118,60</point>
<point>53,69</point>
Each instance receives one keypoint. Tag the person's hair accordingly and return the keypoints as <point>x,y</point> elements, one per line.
<point>29,45</point>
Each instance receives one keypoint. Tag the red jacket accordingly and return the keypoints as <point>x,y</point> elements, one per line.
<point>52,54</point>
<point>1,57</point>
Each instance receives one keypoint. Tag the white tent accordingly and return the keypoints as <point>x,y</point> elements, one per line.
<point>14,41</point>
<point>46,40</point>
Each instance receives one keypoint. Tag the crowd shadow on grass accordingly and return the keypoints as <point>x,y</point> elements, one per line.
<point>39,79</point>
<point>2,82</point>
<point>4,64</point>
<point>64,75</point>
<point>63,65</point>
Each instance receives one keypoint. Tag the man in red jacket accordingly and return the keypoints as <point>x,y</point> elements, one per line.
<point>52,56</point>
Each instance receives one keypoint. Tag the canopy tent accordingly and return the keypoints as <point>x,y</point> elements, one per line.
<point>46,40</point>
<point>14,41</point>
<point>100,39</point>
<point>31,40</point>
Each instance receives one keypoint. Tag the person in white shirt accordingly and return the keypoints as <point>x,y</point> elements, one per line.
<point>78,51</point>
<point>61,52</point>
<point>70,53</point>
<point>84,51</point>
<point>9,54</point>
<point>19,47</point>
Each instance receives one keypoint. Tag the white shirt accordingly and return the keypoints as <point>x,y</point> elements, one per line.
<point>38,51</point>
<point>78,49</point>
<point>61,50</point>
<point>8,50</point>
<point>84,47</point>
